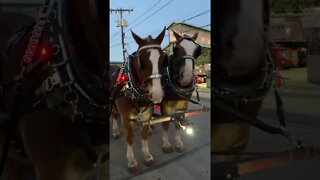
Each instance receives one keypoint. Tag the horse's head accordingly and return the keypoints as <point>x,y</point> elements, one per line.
<point>240,34</point>
<point>148,64</point>
<point>186,50</point>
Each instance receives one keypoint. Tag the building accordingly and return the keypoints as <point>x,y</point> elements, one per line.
<point>290,29</point>
<point>28,7</point>
<point>117,63</point>
<point>204,38</point>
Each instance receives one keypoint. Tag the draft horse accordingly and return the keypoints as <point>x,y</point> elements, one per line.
<point>136,95</point>
<point>55,91</point>
<point>179,85</point>
<point>242,72</point>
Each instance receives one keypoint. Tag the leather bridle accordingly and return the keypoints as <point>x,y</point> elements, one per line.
<point>135,90</point>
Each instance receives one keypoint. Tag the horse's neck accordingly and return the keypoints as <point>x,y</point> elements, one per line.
<point>80,33</point>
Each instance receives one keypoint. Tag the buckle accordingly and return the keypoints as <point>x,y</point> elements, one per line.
<point>51,81</point>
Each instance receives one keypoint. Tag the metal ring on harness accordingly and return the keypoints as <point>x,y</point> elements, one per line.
<point>52,15</point>
<point>40,22</point>
<point>56,49</point>
<point>71,97</point>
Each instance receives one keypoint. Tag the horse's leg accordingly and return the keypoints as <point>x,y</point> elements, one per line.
<point>177,137</point>
<point>132,163</point>
<point>166,146</point>
<point>115,128</point>
<point>104,171</point>
<point>148,158</point>
<point>180,106</point>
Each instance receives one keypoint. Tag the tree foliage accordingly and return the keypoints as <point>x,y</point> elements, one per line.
<point>204,58</point>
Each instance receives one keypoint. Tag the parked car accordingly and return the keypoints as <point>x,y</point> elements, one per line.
<point>200,78</point>
<point>300,46</point>
<point>284,57</point>
<point>200,74</point>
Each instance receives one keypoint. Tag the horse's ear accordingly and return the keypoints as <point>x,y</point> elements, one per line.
<point>136,38</point>
<point>195,36</point>
<point>160,37</point>
<point>176,35</point>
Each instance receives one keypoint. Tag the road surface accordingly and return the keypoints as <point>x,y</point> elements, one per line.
<point>302,110</point>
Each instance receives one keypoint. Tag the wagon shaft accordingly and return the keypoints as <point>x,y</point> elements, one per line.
<point>157,118</point>
<point>250,165</point>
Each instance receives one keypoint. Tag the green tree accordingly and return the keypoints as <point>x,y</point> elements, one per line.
<point>204,58</point>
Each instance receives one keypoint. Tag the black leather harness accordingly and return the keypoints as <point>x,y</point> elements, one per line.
<point>65,86</point>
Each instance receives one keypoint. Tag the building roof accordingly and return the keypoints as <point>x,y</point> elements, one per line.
<point>201,44</point>
<point>187,24</point>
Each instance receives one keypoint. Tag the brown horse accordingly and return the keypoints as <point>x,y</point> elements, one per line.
<point>241,71</point>
<point>136,95</point>
<point>55,91</point>
<point>179,83</point>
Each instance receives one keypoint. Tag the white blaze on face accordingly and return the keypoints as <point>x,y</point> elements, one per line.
<point>187,69</point>
<point>155,90</point>
<point>248,41</point>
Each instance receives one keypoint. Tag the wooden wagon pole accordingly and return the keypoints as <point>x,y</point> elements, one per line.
<point>250,165</point>
<point>261,163</point>
<point>159,118</point>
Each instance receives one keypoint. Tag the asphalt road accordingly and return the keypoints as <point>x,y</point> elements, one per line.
<point>194,163</point>
<point>302,111</point>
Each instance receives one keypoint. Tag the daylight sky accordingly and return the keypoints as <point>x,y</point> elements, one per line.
<point>149,18</point>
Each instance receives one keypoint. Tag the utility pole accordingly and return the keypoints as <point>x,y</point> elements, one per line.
<point>121,23</point>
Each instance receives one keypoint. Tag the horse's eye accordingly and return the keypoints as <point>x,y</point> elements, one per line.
<point>142,64</point>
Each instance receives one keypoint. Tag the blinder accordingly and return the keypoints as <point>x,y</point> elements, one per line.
<point>171,67</point>
<point>198,51</point>
<point>195,55</point>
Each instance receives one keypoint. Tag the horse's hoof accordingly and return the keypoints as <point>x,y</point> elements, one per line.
<point>134,169</point>
<point>116,136</point>
<point>180,149</point>
<point>149,162</point>
<point>167,149</point>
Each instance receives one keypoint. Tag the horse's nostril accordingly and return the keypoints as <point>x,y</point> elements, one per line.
<point>181,75</point>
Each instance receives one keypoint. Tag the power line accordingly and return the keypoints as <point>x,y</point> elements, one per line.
<point>154,5</point>
<point>205,25</point>
<point>152,14</point>
<point>205,12</point>
<point>194,12</point>
<point>200,14</point>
